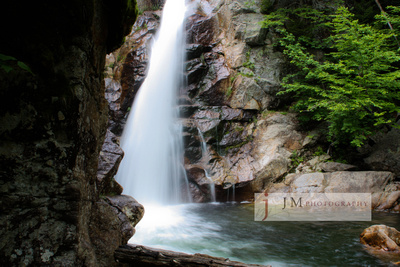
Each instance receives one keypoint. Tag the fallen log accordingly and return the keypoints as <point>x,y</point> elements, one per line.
<point>138,255</point>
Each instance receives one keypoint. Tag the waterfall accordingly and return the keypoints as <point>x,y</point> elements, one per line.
<point>204,159</point>
<point>151,169</point>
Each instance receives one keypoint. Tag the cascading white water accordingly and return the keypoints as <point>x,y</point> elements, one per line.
<point>204,159</point>
<point>150,170</point>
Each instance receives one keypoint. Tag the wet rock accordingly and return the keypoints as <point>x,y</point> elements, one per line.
<point>382,242</point>
<point>208,126</point>
<point>197,174</point>
<point>198,196</point>
<point>195,50</point>
<point>127,206</point>
<point>231,114</point>
<point>186,111</point>
<point>199,184</point>
<point>207,114</point>
<point>196,69</point>
<point>110,157</point>
<point>126,69</point>
<point>381,237</point>
<point>192,145</point>
<point>136,59</point>
<point>202,30</point>
<point>390,199</point>
<point>112,224</point>
<point>212,86</point>
<point>113,96</point>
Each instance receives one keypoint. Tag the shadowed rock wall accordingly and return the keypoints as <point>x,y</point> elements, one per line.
<point>53,119</point>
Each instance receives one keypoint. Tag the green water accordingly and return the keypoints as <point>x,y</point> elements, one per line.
<point>229,230</point>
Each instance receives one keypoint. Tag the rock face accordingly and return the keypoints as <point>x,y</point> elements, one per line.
<point>384,154</point>
<point>126,69</point>
<point>232,129</point>
<point>53,119</point>
<point>236,135</point>
<point>233,75</point>
<point>111,155</point>
<point>384,192</point>
<point>112,222</point>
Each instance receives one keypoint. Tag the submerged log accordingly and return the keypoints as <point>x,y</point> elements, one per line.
<point>138,255</point>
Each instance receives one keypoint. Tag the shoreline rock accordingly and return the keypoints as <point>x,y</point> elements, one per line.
<point>385,193</point>
<point>382,242</point>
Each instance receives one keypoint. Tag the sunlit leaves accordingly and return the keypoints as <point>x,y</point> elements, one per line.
<point>355,85</point>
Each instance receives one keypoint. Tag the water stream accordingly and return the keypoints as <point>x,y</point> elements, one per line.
<point>205,157</point>
<point>229,230</point>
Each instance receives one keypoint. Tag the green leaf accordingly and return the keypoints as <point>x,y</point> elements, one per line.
<point>5,57</point>
<point>23,66</point>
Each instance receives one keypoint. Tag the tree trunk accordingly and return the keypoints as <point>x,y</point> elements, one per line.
<point>137,255</point>
<point>388,22</point>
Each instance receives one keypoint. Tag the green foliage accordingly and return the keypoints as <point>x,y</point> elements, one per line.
<point>121,57</point>
<point>296,158</point>
<point>254,120</point>
<point>248,74</point>
<point>354,86</point>
<point>266,113</point>
<point>7,67</point>
<point>390,23</point>
<point>111,65</point>
<point>249,63</point>
<point>249,4</point>
<point>149,5</point>
<point>266,6</point>
<point>228,92</point>
<point>305,25</point>
<point>233,78</point>
<point>319,152</point>
<point>239,129</point>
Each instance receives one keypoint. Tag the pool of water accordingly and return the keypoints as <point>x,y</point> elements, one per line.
<point>229,230</point>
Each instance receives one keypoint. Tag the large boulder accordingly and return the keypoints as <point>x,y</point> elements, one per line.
<point>241,153</point>
<point>113,219</point>
<point>382,242</point>
<point>385,194</point>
